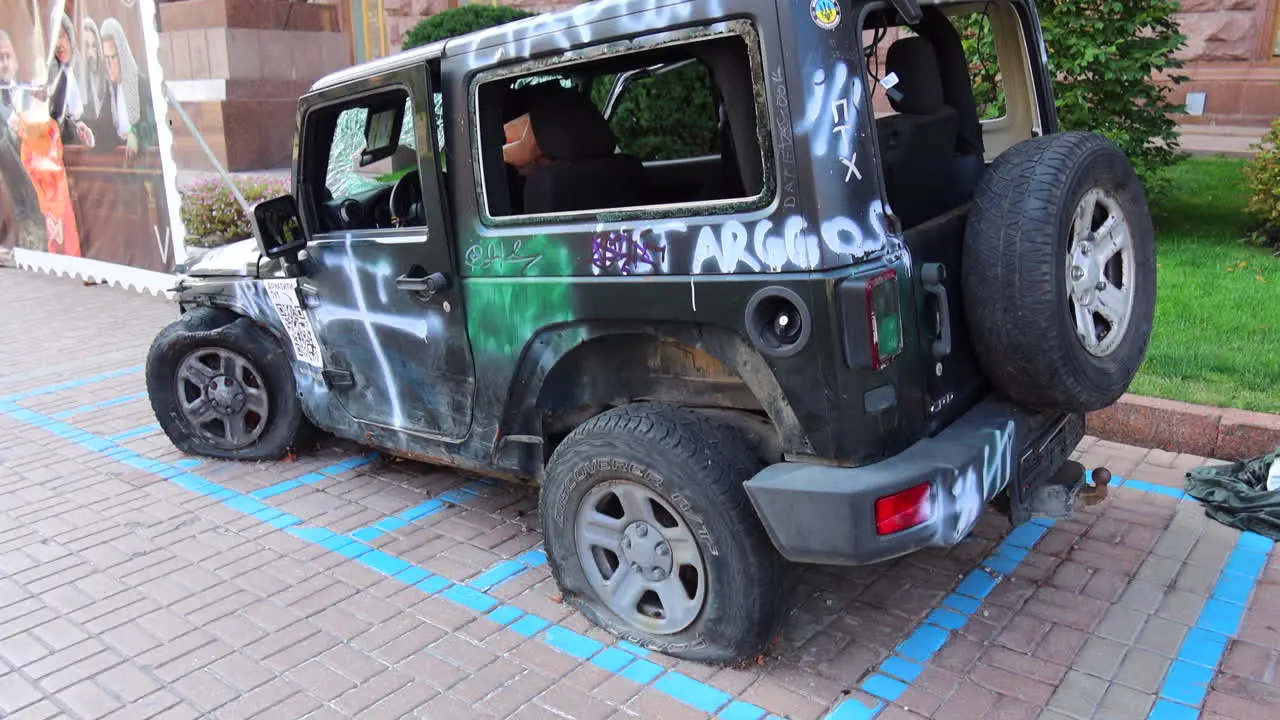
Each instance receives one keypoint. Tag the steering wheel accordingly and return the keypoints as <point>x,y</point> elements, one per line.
<point>406,192</point>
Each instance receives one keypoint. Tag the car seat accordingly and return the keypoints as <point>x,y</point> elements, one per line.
<point>584,171</point>
<point>917,144</point>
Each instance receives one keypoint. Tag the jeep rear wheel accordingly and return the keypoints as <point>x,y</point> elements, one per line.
<point>1059,272</point>
<point>650,533</point>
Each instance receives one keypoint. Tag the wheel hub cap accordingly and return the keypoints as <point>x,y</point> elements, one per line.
<point>1086,273</point>
<point>223,397</point>
<point>1100,272</point>
<point>646,551</point>
<point>641,557</point>
<point>226,394</point>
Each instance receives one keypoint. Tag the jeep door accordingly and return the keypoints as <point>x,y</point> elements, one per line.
<point>381,290</point>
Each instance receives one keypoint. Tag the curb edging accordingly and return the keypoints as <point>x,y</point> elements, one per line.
<point>1179,427</point>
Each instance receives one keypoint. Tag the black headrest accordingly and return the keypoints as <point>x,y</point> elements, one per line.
<point>569,127</point>
<point>915,63</point>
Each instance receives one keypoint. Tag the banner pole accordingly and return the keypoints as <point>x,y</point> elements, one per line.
<point>208,151</point>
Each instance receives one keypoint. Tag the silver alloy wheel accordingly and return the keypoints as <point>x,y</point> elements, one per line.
<point>223,397</point>
<point>1100,272</point>
<point>640,556</point>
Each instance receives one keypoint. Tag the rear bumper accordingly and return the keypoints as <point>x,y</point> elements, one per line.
<point>826,515</point>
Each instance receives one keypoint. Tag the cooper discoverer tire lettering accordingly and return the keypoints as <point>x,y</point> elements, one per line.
<point>1059,272</point>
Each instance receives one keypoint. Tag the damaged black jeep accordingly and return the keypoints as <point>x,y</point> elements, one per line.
<point>882,303</point>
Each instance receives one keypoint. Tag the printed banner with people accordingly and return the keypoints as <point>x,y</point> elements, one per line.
<point>80,155</point>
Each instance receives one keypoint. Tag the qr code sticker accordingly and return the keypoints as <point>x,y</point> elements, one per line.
<point>284,297</point>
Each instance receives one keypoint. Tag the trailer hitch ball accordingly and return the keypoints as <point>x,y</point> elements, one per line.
<point>1097,492</point>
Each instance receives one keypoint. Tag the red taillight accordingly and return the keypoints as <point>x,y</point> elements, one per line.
<point>904,510</point>
<point>884,321</point>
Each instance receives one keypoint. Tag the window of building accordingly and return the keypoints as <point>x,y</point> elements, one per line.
<point>671,125</point>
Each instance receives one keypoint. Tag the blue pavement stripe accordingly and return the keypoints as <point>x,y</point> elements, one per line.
<point>1183,692</point>
<point>508,570</point>
<point>457,496</point>
<point>72,384</point>
<point>124,400</point>
<point>134,433</point>
<point>894,676</point>
<point>312,478</point>
<point>624,658</point>
<point>1187,682</point>
<point>738,710</point>
<point>1155,489</point>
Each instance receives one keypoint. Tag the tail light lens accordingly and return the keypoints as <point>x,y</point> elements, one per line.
<point>904,510</point>
<point>884,319</point>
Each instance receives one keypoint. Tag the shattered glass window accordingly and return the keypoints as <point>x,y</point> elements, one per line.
<point>344,178</point>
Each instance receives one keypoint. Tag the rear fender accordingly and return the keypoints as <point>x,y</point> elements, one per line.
<point>557,347</point>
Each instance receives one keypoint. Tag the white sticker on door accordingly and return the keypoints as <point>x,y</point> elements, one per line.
<point>284,298</point>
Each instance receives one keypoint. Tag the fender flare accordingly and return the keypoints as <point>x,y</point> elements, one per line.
<point>522,420</point>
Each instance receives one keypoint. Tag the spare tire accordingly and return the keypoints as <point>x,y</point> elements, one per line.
<point>1059,272</point>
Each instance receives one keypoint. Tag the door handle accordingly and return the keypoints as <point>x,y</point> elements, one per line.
<point>932,275</point>
<point>417,281</point>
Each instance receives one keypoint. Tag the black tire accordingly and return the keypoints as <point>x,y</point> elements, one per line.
<point>1015,273</point>
<point>285,426</point>
<point>700,466</point>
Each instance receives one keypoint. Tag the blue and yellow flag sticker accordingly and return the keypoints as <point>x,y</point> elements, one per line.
<point>825,13</point>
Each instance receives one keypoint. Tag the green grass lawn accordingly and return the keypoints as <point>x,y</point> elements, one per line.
<point>1217,331</point>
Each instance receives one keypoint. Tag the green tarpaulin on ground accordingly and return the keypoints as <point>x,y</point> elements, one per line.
<point>1237,494</point>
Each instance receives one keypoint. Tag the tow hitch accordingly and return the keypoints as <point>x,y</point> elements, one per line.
<point>1059,496</point>
<point>1096,491</point>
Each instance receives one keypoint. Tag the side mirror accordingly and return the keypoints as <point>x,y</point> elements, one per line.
<point>278,228</point>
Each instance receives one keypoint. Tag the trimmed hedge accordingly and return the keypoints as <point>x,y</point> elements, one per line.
<point>460,21</point>
<point>213,217</point>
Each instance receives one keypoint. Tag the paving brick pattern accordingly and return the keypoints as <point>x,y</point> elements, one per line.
<point>136,582</point>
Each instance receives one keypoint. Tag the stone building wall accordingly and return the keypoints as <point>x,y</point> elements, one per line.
<point>1232,57</point>
<point>238,67</point>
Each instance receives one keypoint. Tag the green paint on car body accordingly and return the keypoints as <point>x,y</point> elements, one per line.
<point>503,315</point>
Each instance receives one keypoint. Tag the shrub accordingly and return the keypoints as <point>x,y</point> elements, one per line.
<point>213,216</point>
<point>460,21</point>
<point>1262,178</point>
<point>666,117</point>
<point>1114,67</point>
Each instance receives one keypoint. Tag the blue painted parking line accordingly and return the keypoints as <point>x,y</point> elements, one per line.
<point>113,402</point>
<point>72,384</point>
<point>620,658</point>
<point>457,496</point>
<point>1187,682</point>
<point>508,570</point>
<point>133,434</point>
<point>333,471</point>
<point>1181,696</point>
<point>894,676</point>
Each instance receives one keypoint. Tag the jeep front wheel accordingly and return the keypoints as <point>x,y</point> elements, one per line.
<point>1059,269</point>
<point>651,535</point>
<point>222,387</point>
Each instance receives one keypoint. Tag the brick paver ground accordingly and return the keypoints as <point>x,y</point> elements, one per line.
<point>138,582</point>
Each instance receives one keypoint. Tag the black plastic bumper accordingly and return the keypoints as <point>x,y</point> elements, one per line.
<point>826,515</point>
